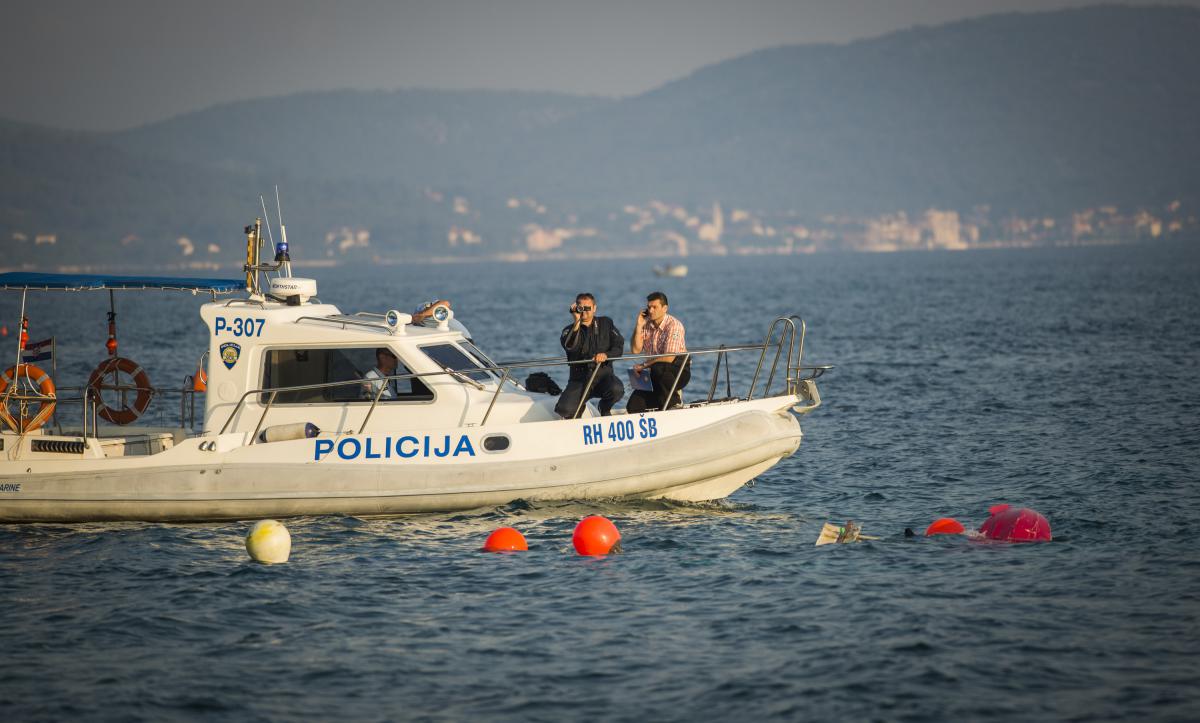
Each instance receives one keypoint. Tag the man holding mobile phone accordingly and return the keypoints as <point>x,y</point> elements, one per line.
<point>596,339</point>
<point>657,332</point>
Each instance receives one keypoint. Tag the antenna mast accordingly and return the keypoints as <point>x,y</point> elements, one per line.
<point>266,216</point>
<point>281,248</point>
<point>253,241</point>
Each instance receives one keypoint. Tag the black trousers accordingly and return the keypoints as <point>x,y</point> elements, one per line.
<point>606,387</point>
<point>662,376</point>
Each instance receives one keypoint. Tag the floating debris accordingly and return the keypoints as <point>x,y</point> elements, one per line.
<point>836,534</point>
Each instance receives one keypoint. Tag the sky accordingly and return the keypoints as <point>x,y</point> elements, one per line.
<point>115,64</point>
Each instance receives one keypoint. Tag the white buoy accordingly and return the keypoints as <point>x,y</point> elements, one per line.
<point>269,542</point>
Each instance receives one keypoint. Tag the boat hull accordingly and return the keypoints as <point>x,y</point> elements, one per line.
<point>705,453</point>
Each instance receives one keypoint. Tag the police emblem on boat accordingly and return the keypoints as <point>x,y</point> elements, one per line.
<point>230,353</point>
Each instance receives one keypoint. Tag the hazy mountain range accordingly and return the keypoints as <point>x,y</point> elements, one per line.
<point>1030,114</point>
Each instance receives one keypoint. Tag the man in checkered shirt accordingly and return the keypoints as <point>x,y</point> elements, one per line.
<point>657,332</point>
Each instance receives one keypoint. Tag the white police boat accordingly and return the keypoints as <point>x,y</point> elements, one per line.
<point>294,424</point>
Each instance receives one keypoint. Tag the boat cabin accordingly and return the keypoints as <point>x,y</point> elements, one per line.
<point>335,371</point>
<point>336,374</point>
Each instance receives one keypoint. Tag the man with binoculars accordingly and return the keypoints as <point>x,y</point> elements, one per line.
<point>597,339</point>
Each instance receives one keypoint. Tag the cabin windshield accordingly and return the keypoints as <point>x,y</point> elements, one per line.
<point>478,354</point>
<point>451,357</point>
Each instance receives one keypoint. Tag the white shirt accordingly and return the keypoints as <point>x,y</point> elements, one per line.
<point>391,387</point>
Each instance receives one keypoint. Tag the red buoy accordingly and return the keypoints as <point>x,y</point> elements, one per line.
<point>945,526</point>
<point>596,535</point>
<point>505,539</point>
<point>1015,525</point>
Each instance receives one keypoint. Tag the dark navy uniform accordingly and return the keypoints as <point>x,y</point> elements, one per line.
<point>585,343</point>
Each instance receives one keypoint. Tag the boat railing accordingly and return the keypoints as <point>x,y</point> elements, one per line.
<point>344,320</point>
<point>90,404</point>
<point>785,337</point>
<point>795,374</point>
<point>792,362</point>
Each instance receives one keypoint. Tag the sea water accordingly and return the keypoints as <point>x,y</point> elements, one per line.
<point>1062,380</point>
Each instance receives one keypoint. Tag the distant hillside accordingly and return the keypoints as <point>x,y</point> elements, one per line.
<point>68,198</point>
<point>1033,114</point>
<point>73,198</point>
<point>1029,112</point>
<point>425,137</point>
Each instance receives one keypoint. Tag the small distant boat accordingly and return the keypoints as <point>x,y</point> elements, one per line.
<point>676,270</point>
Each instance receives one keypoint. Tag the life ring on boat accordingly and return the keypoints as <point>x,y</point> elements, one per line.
<point>45,385</point>
<point>200,380</point>
<point>126,414</point>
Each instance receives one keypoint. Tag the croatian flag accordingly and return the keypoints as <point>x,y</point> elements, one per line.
<point>37,351</point>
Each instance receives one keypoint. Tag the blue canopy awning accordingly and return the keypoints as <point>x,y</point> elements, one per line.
<point>19,280</point>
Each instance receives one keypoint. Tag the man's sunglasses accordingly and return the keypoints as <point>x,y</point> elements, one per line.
<point>584,308</point>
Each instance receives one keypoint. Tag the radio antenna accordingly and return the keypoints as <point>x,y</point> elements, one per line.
<point>267,216</point>
<point>281,250</point>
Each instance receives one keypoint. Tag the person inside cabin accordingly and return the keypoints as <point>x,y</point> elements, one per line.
<point>596,339</point>
<point>385,366</point>
<point>657,332</point>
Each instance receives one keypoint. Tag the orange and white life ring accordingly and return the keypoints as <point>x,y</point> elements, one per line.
<point>141,381</point>
<point>200,380</point>
<point>45,385</point>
